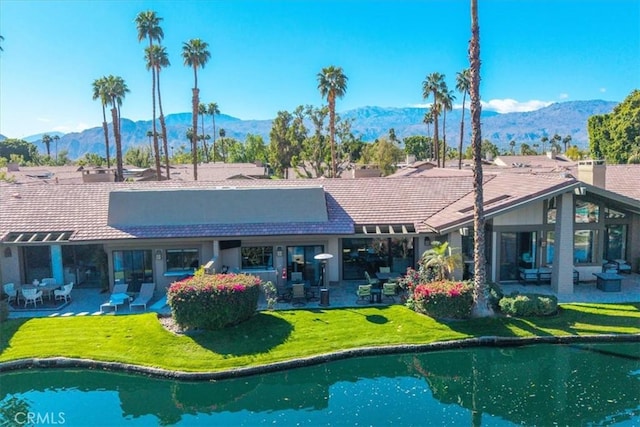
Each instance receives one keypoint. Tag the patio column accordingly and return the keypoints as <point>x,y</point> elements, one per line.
<point>56,264</point>
<point>562,273</point>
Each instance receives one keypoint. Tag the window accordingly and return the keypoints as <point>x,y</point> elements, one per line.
<point>551,211</point>
<point>133,268</point>
<point>586,212</point>
<point>584,246</point>
<point>257,257</point>
<point>182,259</point>
<point>615,241</point>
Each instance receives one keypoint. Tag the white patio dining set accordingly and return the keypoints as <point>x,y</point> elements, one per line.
<point>34,293</point>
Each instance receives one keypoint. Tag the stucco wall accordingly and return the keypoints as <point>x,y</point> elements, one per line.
<point>529,215</point>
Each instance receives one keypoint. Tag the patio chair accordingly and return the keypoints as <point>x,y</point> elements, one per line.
<point>32,295</point>
<point>363,292</point>
<point>389,290</point>
<point>284,293</point>
<point>371,280</point>
<point>296,277</point>
<point>118,297</point>
<point>64,293</point>
<point>299,296</point>
<point>384,269</point>
<point>10,291</point>
<point>145,295</point>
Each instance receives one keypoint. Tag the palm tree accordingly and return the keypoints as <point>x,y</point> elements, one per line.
<point>512,143</point>
<point>480,288</point>
<point>213,109</point>
<point>46,140</point>
<point>441,260</point>
<point>428,120</point>
<point>432,86</point>
<point>56,138</point>
<point>223,147</point>
<point>148,25</point>
<point>447,97</point>
<point>160,61</point>
<point>462,85</point>
<point>195,55</point>
<point>202,110</point>
<point>566,141</point>
<point>116,89</point>
<point>332,84</point>
<point>1,39</point>
<point>99,92</point>
<point>544,140</point>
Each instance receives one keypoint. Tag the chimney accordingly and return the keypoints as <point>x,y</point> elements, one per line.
<point>551,154</point>
<point>593,172</point>
<point>411,159</point>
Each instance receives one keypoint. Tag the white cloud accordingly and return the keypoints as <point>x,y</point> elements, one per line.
<point>603,89</point>
<point>563,96</point>
<point>77,127</point>
<point>513,106</point>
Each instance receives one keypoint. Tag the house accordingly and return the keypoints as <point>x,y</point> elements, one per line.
<point>161,231</point>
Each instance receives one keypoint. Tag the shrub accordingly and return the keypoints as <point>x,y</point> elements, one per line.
<point>214,301</point>
<point>525,305</point>
<point>444,299</point>
<point>495,295</point>
<point>4,310</point>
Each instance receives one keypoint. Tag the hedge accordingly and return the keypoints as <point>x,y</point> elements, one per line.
<point>524,305</point>
<point>213,301</point>
<point>444,299</point>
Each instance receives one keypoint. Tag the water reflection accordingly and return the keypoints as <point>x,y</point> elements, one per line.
<point>537,385</point>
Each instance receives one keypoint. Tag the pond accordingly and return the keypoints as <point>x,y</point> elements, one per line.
<point>579,384</point>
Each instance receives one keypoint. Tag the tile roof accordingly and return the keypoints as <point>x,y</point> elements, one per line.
<point>426,202</point>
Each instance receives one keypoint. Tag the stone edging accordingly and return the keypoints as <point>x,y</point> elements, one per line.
<point>487,341</point>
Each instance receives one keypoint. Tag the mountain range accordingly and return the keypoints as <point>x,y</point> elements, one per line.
<point>369,123</point>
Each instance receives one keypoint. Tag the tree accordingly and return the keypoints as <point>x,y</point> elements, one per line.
<point>255,149</point>
<point>315,153</point>
<point>616,136</point>
<point>46,140</point>
<point>555,143</point>
<point>462,86</point>
<point>148,26</point>
<point>195,54</point>
<point>116,89</point>
<point>202,110</point>
<point>18,147</point>
<point>418,146</point>
<point>574,153</point>
<point>566,141</point>
<point>56,138</point>
<point>212,110</point>
<point>160,61</point>
<point>447,105</point>
<point>286,139</point>
<point>512,144</point>
<point>386,155</point>
<point>480,288</point>
<point>223,148</point>
<point>544,140</point>
<point>139,157</point>
<point>526,150</point>
<point>441,260</point>
<point>332,84</point>
<point>432,87</point>
<point>99,92</point>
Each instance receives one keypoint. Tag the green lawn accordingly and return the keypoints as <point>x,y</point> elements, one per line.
<point>283,335</point>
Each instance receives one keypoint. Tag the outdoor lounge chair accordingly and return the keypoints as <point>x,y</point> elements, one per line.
<point>64,293</point>
<point>363,292</point>
<point>145,295</point>
<point>118,297</point>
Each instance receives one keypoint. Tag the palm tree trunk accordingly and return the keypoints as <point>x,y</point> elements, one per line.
<point>194,137</point>
<point>116,135</point>
<point>204,141</point>
<point>332,133</point>
<point>163,125</point>
<point>480,289</point>
<point>444,137</point>
<point>464,94</point>
<point>213,119</point>
<point>436,143</point>
<point>156,148</point>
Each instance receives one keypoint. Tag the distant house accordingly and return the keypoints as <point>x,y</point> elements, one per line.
<point>161,231</point>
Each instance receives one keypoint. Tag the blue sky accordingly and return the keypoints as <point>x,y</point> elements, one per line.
<point>265,55</point>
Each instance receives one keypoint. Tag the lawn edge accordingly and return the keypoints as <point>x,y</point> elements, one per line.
<point>485,341</point>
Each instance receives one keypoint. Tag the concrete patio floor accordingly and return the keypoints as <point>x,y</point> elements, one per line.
<point>87,301</point>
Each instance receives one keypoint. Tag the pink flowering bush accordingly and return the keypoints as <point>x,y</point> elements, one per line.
<point>214,301</point>
<point>443,299</point>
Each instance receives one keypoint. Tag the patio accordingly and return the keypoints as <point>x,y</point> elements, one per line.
<point>87,301</point>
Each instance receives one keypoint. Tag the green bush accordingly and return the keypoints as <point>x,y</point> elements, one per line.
<point>4,310</point>
<point>213,301</point>
<point>495,295</point>
<point>525,305</point>
<point>444,299</point>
